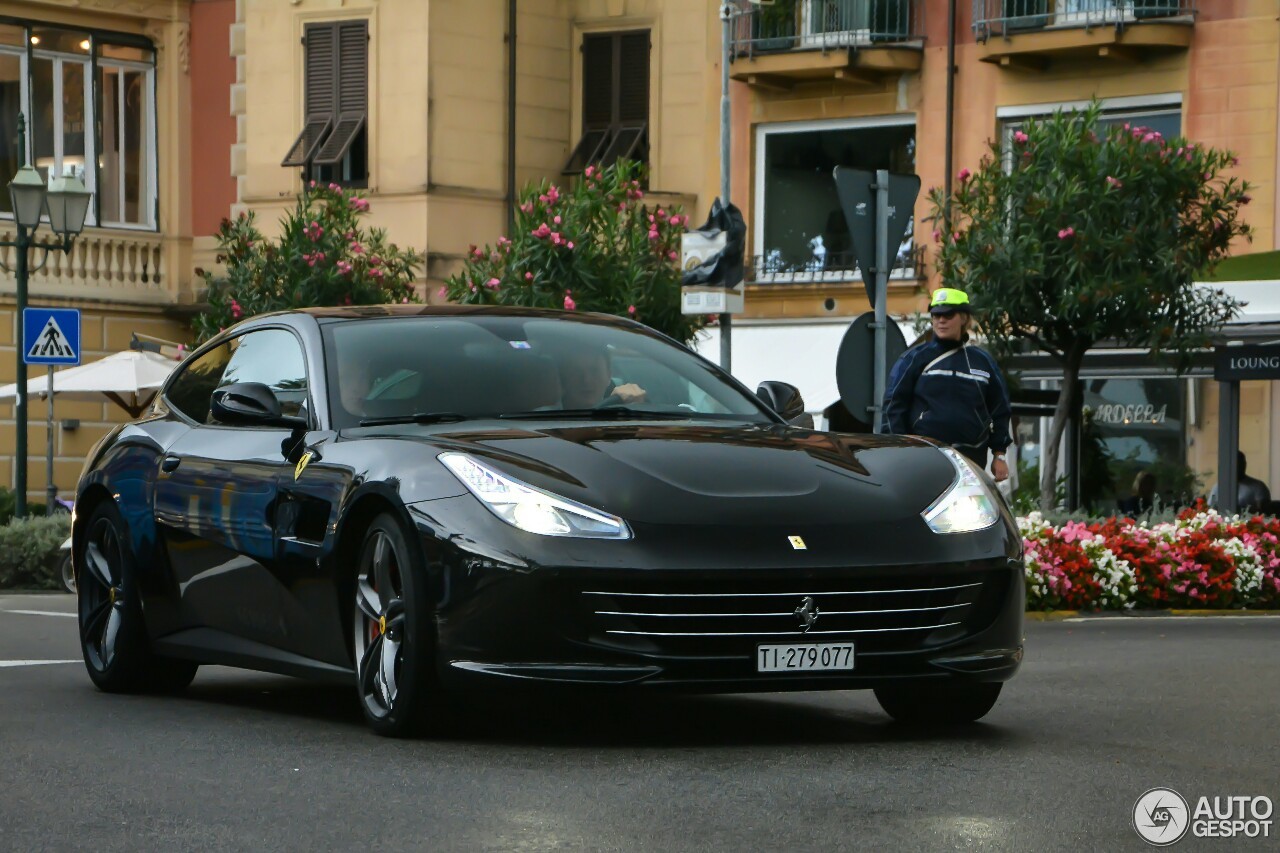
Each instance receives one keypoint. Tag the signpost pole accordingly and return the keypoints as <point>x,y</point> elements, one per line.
<point>882,294</point>
<point>51,493</point>
<point>726,17</point>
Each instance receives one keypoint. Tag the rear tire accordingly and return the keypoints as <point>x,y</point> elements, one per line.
<point>939,704</point>
<point>66,571</point>
<point>113,635</point>
<point>394,635</point>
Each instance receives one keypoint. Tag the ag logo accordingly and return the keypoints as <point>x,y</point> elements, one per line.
<point>1161,816</point>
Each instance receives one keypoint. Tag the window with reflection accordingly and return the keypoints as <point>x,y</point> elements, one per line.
<point>274,358</point>
<point>89,101</point>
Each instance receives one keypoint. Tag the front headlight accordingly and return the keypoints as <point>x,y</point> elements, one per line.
<point>964,507</point>
<point>529,508</point>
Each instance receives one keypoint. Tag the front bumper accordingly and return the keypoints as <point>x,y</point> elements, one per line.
<point>698,630</point>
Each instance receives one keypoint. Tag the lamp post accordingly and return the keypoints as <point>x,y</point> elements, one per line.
<point>67,203</point>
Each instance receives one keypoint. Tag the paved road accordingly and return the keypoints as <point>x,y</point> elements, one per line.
<point>1102,711</point>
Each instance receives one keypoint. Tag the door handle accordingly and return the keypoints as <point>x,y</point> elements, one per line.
<point>170,464</point>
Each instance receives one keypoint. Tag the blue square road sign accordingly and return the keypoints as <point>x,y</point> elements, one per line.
<point>51,335</point>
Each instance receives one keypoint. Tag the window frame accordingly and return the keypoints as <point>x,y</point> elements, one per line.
<point>763,132</point>
<point>149,129</point>
<point>350,118</point>
<point>602,151</point>
<point>94,62</point>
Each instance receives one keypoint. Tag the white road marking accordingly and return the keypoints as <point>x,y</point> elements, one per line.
<point>4,663</point>
<point>41,612</point>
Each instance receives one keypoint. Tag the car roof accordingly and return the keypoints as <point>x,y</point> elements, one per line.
<point>362,312</point>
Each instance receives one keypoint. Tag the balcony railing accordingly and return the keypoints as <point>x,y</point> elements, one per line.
<point>824,25</point>
<point>101,264</point>
<point>774,268</point>
<point>1007,17</point>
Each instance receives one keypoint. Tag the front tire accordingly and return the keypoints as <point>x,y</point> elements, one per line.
<point>113,635</point>
<point>939,704</point>
<point>394,638</point>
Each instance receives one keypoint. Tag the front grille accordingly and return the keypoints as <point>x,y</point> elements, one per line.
<point>878,614</point>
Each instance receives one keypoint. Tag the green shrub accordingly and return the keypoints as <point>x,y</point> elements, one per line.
<point>29,551</point>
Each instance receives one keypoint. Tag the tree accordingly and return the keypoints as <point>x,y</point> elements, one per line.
<point>1081,233</point>
<point>322,257</point>
<point>593,246</point>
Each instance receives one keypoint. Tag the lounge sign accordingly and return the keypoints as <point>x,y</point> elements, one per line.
<point>1233,364</point>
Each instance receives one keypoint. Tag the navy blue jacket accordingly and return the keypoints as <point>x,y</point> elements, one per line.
<point>951,392</point>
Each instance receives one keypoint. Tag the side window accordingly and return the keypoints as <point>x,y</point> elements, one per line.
<point>274,358</point>
<point>190,392</point>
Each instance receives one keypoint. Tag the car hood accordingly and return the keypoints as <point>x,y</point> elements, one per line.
<point>711,474</point>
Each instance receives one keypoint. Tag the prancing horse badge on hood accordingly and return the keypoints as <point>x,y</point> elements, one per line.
<point>797,543</point>
<point>302,465</point>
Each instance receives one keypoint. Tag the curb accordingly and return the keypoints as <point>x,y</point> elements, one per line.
<point>1062,615</point>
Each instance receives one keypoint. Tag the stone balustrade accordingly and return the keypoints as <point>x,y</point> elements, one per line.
<point>103,263</point>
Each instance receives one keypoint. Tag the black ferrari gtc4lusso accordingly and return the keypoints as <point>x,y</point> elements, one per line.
<point>418,500</point>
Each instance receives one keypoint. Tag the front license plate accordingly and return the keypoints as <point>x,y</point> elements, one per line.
<point>804,657</point>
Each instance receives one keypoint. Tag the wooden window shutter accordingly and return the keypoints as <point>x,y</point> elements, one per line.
<point>351,91</point>
<point>633,78</point>
<point>320,52</point>
<point>615,100</point>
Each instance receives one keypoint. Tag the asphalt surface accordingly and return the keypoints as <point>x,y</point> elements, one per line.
<point>1102,711</point>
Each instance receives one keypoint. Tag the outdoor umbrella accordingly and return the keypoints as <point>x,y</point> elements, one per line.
<point>129,379</point>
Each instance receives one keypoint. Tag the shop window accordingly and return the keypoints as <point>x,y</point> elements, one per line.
<point>333,145</point>
<point>801,232</point>
<point>615,101</point>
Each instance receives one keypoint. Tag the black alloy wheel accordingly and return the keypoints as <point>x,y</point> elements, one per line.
<point>939,704</point>
<point>393,635</point>
<point>113,636</point>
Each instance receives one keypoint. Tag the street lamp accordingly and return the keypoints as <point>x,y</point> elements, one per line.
<point>67,203</point>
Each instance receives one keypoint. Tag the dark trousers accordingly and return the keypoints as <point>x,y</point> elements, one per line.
<point>977,454</point>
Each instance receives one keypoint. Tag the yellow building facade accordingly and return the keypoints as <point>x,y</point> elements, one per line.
<point>440,119</point>
<point>105,89</point>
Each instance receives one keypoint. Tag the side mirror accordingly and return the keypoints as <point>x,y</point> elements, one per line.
<point>251,404</point>
<point>784,398</point>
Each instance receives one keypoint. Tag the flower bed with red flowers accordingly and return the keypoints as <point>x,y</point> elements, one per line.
<point>1201,560</point>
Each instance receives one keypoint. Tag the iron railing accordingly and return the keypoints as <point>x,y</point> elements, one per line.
<point>1001,17</point>
<point>824,24</point>
<point>776,268</point>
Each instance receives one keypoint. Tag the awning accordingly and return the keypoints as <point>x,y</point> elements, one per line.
<point>801,353</point>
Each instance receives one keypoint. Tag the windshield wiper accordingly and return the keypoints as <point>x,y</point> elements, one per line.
<point>607,413</point>
<point>419,418</point>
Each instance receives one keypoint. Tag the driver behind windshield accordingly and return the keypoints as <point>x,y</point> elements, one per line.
<point>586,381</point>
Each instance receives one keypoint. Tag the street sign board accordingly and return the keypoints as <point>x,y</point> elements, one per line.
<point>858,201</point>
<point>51,335</point>
<point>855,363</point>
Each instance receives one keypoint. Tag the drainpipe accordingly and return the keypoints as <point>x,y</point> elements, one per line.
<point>511,116</point>
<point>951,100</point>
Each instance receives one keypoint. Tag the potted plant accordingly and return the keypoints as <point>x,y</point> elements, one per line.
<point>774,25</point>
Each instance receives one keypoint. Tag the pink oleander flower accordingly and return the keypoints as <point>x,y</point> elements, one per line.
<point>653,234</point>
<point>312,185</point>
<point>964,175</point>
<point>357,249</point>
<point>631,309</point>
<point>589,171</point>
<point>1066,233</point>
<point>1019,137</point>
<point>1114,183</point>
<point>556,219</point>
<point>492,284</point>
<point>528,276</point>
<point>335,188</point>
<point>937,236</point>
<point>569,304</point>
<point>527,207</point>
<point>440,292</point>
<point>569,244</point>
<point>344,267</point>
<point>671,256</point>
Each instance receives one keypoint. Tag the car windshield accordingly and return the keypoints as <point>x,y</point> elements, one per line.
<point>448,368</point>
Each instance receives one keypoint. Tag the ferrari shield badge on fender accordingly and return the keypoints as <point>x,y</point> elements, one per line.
<point>302,464</point>
<point>797,543</point>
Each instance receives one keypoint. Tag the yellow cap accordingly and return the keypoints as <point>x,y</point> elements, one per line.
<point>948,299</point>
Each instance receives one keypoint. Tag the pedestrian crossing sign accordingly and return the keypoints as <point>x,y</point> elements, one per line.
<point>51,335</point>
